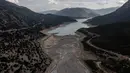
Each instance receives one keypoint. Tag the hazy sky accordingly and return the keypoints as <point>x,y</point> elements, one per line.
<point>42,5</point>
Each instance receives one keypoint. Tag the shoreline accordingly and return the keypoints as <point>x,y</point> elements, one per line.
<point>45,31</point>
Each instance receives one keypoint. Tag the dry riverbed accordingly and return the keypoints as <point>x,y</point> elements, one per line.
<point>67,54</point>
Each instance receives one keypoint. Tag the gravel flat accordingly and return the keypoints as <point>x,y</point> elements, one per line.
<point>65,52</point>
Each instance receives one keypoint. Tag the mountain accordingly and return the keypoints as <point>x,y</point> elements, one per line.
<point>20,50</point>
<point>120,15</point>
<point>54,20</point>
<point>14,16</point>
<point>106,10</point>
<point>77,13</point>
<point>111,43</point>
<point>114,37</point>
<point>49,12</point>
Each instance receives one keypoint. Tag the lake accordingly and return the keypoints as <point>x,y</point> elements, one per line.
<point>69,28</point>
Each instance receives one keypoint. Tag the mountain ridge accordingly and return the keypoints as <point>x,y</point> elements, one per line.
<point>120,15</point>
<point>49,12</point>
<point>77,12</point>
<point>26,18</point>
<point>105,11</point>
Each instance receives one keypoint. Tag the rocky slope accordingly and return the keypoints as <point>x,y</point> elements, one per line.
<point>120,15</point>
<point>20,52</point>
<point>113,37</point>
<point>77,13</point>
<point>108,60</point>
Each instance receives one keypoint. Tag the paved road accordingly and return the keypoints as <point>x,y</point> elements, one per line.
<point>66,52</point>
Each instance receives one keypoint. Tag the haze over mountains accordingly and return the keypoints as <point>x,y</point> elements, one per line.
<point>81,12</point>
<point>73,12</point>
<point>120,15</point>
<point>49,12</point>
<point>39,5</point>
<point>77,13</point>
<point>106,10</point>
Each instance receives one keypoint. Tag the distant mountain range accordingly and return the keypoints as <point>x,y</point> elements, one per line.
<point>81,12</point>
<point>120,15</point>
<point>106,10</point>
<point>14,16</point>
<point>77,13</point>
<point>49,12</point>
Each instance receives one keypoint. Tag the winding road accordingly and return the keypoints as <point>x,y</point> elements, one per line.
<point>94,35</point>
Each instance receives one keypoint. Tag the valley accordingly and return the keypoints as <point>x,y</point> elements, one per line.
<point>74,52</point>
<point>64,40</point>
<point>66,50</point>
<point>70,55</point>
